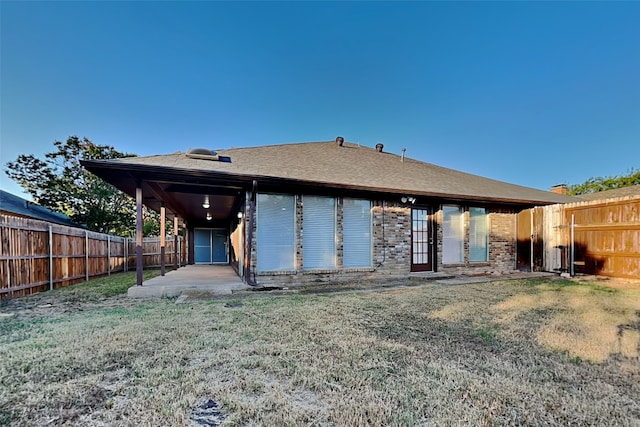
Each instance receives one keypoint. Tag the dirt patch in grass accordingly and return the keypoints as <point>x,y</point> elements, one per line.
<point>479,354</point>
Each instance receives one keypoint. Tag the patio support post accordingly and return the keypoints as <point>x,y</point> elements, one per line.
<point>175,242</point>
<point>86,256</point>
<point>190,246</point>
<point>163,239</point>
<point>139,232</point>
<point>249,233</point>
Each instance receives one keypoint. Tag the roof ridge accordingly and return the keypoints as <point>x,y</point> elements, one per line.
<point>276,145</point>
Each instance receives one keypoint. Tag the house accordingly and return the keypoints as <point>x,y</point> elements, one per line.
<point>13,205</point>
<point>633,190</point>
<point>306,212</point>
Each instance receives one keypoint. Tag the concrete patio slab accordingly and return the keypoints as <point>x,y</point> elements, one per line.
<point>214,279</point>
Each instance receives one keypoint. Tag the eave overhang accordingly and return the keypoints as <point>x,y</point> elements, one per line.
<point>125,176</point>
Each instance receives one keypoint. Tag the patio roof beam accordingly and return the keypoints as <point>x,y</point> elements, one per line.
<point>168,199</point>
<point>203,189</point>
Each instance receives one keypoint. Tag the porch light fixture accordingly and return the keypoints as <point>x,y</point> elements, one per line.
<point>206,204</point>
<point>406,199</point>
<point>209,216</point>
<point>239,215</point>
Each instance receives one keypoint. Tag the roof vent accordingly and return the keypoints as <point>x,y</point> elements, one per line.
<point>340,141</point>
<point>202,153</point>
<point>379,147</point>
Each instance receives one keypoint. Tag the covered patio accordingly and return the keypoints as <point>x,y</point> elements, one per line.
<point>208,208</point>
<point>214,279</point>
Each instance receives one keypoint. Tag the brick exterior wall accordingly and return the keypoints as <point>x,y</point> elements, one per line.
<point>391,247</point>
<point>502,241</point>
<point>391,238</point>
<point>502,244</point>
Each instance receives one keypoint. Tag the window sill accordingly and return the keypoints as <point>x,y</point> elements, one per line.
<point>316,271</point>
<point>320,271</point>
<point>358,270</point>
<point>276,273</point>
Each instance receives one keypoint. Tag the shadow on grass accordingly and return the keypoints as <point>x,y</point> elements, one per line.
<point>585,320</point>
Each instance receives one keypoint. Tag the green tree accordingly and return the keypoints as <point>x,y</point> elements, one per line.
<point>61,184</point>
<point>596,184</point>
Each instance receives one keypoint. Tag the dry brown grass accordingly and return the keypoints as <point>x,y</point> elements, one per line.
<point>533,352</point>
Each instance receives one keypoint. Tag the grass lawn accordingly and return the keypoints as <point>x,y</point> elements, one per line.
<point>527,352</point>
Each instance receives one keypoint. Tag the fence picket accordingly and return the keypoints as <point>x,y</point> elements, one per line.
<point>36,256</point>
<point>595,237</point>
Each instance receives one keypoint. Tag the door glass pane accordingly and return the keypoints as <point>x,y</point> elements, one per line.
<point>420,236</point>
<point>220,246</point>
<point>202,245</point>
<point>478,235</point>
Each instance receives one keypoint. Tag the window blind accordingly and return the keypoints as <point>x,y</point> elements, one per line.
<point>356,233</point>
<point>318,232</point>
<point>478,235</point>
<point>452,235</point>
<point>275,234</point>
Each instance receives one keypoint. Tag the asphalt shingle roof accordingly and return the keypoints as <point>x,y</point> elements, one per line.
<point>327,163</point>
<point>633,190</point>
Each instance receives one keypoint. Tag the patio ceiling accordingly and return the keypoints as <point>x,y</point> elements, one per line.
<point>186,200</point>
<point>182,194</point>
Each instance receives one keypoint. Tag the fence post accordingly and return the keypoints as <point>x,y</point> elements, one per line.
<point>531,244</point>
<point>125,254</point>
<point>108,255</point>
<point>86,256</point>
<point>573,245</point>
<point>50,258</point>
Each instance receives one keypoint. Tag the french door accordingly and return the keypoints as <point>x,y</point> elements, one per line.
<point>422,239</point>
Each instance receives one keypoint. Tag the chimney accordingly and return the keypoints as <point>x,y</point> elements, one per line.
<point>379,147</point>
<point>340,141</point>
<point>560,189</point>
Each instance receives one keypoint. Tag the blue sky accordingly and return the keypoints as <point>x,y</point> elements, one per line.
<point>533,93</point>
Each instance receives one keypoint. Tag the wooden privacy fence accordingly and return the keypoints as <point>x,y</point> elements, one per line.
<point>37,255</point>
<point>595,237</point>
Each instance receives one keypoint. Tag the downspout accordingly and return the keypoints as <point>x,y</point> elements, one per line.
<point>252,211</point>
